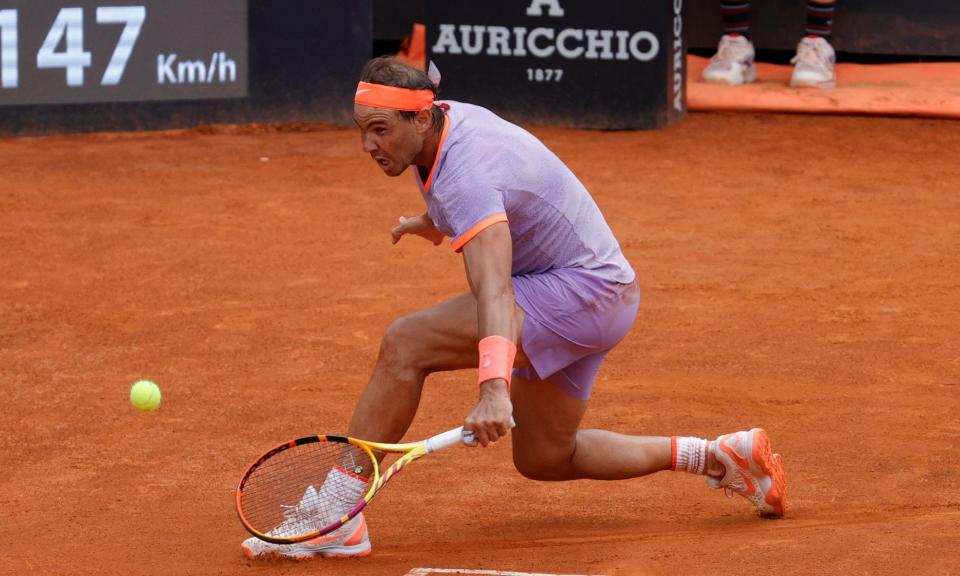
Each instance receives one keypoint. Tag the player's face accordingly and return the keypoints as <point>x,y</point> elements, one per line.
<point>391,141</point>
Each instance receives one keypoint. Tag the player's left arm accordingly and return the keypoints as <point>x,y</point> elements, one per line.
<point>488,259</point>
<point>420,225</point>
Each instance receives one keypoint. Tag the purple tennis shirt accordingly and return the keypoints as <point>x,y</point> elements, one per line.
<point>489,170</point>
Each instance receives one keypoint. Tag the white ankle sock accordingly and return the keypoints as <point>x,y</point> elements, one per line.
<point>343,489</point>
<point>689,454</point>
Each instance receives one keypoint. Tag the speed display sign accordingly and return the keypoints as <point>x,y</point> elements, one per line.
<point>83,51</point>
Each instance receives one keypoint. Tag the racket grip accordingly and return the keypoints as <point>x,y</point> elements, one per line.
<point>453,437</point>
<point>448,439</point>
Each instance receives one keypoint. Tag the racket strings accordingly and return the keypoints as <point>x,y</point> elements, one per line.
<point>304,489</point>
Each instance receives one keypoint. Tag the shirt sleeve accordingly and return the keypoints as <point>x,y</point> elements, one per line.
<point>470,204</point>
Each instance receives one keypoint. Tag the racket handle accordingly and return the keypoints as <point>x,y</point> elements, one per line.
<point>448,439</point>
<point>453,437</point>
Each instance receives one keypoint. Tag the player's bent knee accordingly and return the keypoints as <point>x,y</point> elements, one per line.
<point>398,346</point>
<point>542,468</point>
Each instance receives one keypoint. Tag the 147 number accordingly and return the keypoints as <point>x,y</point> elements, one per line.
<point>67,28</point>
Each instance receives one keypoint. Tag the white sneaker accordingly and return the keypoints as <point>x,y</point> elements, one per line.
<point>351,539</point>
<point>733,63</point>
<point>752,470</point>
<point>815,62</point>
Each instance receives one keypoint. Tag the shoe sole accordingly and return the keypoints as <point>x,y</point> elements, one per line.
<point>749,76</point>
<point>358,551</point>
<point>770,465</point>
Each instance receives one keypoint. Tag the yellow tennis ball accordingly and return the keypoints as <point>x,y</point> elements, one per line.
<point>145,395</point>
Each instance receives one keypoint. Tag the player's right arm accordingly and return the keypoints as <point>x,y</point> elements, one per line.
<point>488,261</point>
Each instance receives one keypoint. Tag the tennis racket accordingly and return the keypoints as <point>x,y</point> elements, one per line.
<point>296,491</point>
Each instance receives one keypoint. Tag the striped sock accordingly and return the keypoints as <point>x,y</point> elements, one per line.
<point>689,454</point>
<point>736,17</point>
<point>820,18</point>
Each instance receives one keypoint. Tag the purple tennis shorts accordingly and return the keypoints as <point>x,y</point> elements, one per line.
<point>573,319</point>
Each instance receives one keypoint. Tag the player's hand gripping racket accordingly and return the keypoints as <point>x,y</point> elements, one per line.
<point>296,491</point>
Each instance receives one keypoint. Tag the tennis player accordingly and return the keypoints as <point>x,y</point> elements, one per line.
<point>551,293</point>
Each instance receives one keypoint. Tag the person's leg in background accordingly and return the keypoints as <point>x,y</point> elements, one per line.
<point>816,60</point>
<point>734,61</point>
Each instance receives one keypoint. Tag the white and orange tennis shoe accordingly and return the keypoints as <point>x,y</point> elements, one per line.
<point>752,470</point>
<point>733,63</point>
<point>350,540</point>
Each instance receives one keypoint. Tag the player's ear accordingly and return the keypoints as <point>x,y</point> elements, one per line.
<point>423,120</point>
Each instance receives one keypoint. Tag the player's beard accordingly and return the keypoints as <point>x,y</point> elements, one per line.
<point>391,165</point>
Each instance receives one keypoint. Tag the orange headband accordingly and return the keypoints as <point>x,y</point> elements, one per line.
<point>392,98</point>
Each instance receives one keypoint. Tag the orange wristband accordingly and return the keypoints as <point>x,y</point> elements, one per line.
<point>496,359</point>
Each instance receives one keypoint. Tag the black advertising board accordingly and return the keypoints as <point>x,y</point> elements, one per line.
<point>603,64</point>
<point>393,19</point>
<point>90,65</point>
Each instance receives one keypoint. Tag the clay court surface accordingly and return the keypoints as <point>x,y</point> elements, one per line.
<point>799,273</point>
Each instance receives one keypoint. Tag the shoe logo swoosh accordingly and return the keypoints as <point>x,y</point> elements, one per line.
<point>732,453</point>
<point>322,539</point>
<point>751,489</point>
